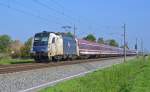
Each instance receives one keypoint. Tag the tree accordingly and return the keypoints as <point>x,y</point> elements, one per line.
<point>25,50</point>
<point>90,37</point>
<point>112,42</point>
<point>70,34</point>
<point>100,40</point>
<point>15,48</point>
<point>5,41</point>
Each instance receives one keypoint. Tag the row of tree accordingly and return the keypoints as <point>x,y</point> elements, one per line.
<point>15,48</point>
<point>100,40</point>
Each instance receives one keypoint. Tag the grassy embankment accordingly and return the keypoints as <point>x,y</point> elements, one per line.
<point>131,76</point>
<point>7,61</point>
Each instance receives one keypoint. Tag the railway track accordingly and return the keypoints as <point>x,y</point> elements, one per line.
<point>25,67</point>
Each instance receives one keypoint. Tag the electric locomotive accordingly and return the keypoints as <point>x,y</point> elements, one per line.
<point>53,46</point>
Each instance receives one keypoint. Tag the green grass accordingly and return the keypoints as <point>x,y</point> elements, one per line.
<point>7,61</point>
<point>131,76</point>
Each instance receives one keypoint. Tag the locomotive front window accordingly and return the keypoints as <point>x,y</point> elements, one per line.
<point>41,39</point>
<point>44,39</point>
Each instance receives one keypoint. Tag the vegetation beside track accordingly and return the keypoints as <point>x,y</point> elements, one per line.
<point>132,76</point>
<point>7,61</point>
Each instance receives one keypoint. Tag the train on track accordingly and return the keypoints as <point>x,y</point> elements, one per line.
<point>51,46</point>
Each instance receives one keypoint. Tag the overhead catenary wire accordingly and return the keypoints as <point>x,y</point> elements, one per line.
<point>61,6</point>
<point>28,13</point>
<point>45,5</point>
<point>49,7</point>
<point>33,10</point>
<point>55,10</point>
<point>33,14</point>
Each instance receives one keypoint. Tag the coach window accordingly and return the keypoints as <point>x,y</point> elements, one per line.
<point>53,40</point>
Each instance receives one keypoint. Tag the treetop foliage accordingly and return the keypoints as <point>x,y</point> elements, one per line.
<point>112,42</point>
<point>90,37</point>
<point>70,34</point>
<point>25,50</point>
<point>5,41</point>
<point>100,40</point>
<point>15,48</point>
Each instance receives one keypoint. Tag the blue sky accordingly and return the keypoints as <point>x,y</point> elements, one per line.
<point>104,18</point>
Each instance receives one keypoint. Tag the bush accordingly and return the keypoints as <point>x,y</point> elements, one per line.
<point>4,55</point>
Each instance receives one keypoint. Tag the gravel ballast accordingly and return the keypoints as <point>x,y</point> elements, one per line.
<point>15,82</point>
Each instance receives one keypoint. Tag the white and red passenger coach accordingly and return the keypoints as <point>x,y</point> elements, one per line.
<point>93,48</point>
